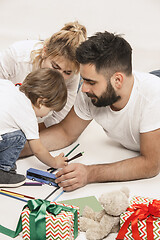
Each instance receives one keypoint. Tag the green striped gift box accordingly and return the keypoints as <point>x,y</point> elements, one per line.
<point>58,227</point>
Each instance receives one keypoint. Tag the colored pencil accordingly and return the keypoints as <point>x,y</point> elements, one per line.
<point>9,195</point>
<point>54,169</point>
<point>72,150</point>
<point>16,194</point>
<point>76,156</point>
<point>52,193</point>
<point>13,194</point>
<point>32,184</point>
<point>57,196</point>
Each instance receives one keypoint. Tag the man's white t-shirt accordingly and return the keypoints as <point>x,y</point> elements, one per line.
<point>15,65</point>
<point>141,114</point>
<point>16,112</point>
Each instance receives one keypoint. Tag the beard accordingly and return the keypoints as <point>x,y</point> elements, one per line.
<point>107,98</point>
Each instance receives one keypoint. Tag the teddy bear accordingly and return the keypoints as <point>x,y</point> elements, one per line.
<point>98,225</point>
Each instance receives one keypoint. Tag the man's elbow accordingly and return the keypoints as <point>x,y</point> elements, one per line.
<point>70,139</point>
<point>153,169</point>
<point>69,136</point>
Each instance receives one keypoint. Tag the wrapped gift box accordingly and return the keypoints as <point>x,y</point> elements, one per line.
<point>141,221</point>
<point>64,225</point>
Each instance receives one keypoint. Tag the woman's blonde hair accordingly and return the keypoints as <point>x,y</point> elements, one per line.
<point>48,85</point>
<point>63,43</point>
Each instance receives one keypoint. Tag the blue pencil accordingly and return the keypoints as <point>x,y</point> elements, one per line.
<point>52,193</point>
<point>9,195</point>
<point>57,196</point>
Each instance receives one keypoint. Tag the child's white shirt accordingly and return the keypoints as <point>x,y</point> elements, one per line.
<point>16,111</point>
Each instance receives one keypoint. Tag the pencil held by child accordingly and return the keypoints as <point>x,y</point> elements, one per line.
<point>42,91</point>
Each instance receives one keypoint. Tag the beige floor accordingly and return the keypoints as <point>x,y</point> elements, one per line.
<point>97,147</point>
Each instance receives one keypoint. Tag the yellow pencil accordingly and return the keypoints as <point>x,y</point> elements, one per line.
<point>13,194</point>
<point>16,194</point>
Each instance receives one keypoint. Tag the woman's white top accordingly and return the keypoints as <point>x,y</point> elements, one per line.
<point>15,65</point>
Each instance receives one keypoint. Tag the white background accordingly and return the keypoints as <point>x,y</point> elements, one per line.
<point>139,21</point>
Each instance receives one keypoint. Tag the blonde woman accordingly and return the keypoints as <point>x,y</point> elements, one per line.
<point>57,52</point>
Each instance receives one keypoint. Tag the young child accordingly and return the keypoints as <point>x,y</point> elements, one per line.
<point>42,91</point>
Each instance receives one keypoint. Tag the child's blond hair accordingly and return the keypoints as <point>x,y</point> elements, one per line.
<point>48,85</point>
<point>63,43</point>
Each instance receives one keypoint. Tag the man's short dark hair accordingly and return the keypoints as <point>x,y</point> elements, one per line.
<point>107,51</point>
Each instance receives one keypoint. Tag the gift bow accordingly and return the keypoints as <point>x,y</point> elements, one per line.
<point>37,219</point>
<point>141,212</point>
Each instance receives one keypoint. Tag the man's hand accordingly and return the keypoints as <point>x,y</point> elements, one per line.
<point>72,176</point>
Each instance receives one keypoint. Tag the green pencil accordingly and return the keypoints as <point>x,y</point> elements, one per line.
<point>53,169</point>
<point>72,150</point>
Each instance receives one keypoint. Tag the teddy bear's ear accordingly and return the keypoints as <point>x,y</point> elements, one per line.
<point>125,190</point>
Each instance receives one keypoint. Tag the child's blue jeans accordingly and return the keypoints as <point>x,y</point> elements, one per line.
<point>11,145</point>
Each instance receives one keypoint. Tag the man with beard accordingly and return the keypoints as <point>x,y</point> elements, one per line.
<point>125,104</point>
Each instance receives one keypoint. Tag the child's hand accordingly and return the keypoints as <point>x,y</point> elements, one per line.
<point>60,161</point>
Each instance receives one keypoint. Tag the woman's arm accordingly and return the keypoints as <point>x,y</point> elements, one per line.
<point>7,64</point>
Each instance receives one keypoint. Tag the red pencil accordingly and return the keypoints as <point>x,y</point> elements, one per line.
<point>17,194</point>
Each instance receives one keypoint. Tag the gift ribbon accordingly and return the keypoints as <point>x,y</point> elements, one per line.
<point>37,219</point>
<point>141,212</point>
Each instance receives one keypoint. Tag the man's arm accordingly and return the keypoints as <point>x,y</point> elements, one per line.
<point>60,135</point>
<point>146,165</point>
